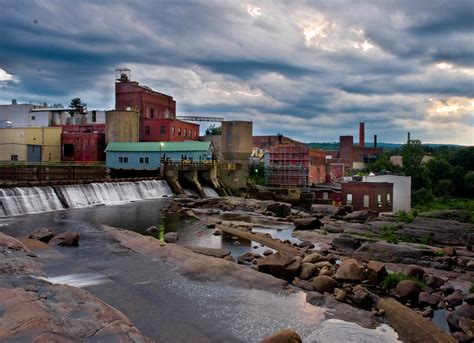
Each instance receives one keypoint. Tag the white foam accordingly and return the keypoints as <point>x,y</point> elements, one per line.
<point>76,280</point>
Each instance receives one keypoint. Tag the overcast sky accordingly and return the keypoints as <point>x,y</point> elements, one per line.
<point>311,70</point>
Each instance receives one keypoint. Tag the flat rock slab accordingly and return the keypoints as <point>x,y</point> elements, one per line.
<point>219,253</point>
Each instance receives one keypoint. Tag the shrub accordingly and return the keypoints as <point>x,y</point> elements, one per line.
<point>389,234</point>
<point>422,196</point>
<point>407,217</point>
<point>391,280</point>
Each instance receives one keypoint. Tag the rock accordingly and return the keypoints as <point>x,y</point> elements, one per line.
<point>217,232</point>
<point>470,265</point>
<point>307,223</point>
<point>152,229</point>
<point>248,257</point>
<point>470,299</point>
<point>324,284</point>
<point>171,237</point>
<point>426,299</point>
<point>325,271</point>
<point>467,325</point>
<point>307,270</point>
<point>458,215</point>
<point>361,297</point>
<point>42,234</point>
<point>279,209</point>
<point>433,281</point>
<point>345,243</point>
<point>470,242</point>
<point>341,295</point>
<point>427,313</point>
<point>328,210</point>
<point>188,214</point>
<point>69,239</point>
<point>323,264</point>
<point>283,336</point>
<point>313,258</point>
<point>461,337</point>
<point>454,299</point>
<point>415,271</point>
<point>219,253</point>
<point>376,271</point>
<point>331,228</point>
<point>408,290</point>
<point>306,244</point>
<point>359,216</point>
<point>303,284</point>
<point>447,289</point>
<point>386,252</point>
<point>449,251</point>
<point>267,252</point>
<point>229,258</point>
<point>464,311</point>
<point>349,272</point>
<point>280,265</point>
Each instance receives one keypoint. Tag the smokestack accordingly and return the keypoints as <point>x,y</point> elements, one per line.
<point>361,135</point>
<point>375,141</point>
<point>408,138</point>
<point>14,102</point>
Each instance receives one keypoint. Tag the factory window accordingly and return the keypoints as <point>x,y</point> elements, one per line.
<point>366,201</point>
<point>162,129</point>
<point>147,130</point>
<point>349,199</point>
<point>68,150</point>
<point>123,159</point>
<point>195,133</point>
<point>14,158</point>
<point>388,198</point>
<point>172,130</point>
<point>144,160</point>
<point>185,132</point>
<point>325,195</point>
<point>33,118</point>
<point>179,131</point>
<point>152,113</point>
<point>94,116</point>
<point>379,200</point>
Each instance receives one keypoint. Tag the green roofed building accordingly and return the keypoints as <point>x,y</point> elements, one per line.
<point>148,155</point>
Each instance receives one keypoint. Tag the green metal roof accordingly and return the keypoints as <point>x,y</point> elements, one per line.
<point>158,146</point>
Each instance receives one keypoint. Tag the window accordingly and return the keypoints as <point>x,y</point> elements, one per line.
<point>172,130</point>
<point>147,130</point>
<point>152,113</point>
<point>94,116</point>
<point>120,159</point>
<point>185,132</point>
<point>349,199</point>
<point>379,200</point>
<point>325,195</point>
<point>123,159</point>
<point>14,158</point>
<point>145,160</point>
<point>162,130</point>
<point>33,117</point>
<point>388,198</point>
<point>366,201</point>
<point>68,150</point>
<point>179,131</point>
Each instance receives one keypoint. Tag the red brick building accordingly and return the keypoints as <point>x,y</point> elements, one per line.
<point>266,142</point>
<point>157,112</point>
<point>371,196</point>
<point>83,143</point>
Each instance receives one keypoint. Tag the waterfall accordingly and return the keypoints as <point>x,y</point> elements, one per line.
<point>16,201</point>
<point>210,192</point>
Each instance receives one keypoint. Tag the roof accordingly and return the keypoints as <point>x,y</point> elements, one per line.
<point>158,146</point>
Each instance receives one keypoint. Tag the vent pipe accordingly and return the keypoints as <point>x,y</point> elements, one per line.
<point>361,135</point>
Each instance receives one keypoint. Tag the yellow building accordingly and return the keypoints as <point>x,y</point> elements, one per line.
<point>122,126</point>
<point>32,144</point>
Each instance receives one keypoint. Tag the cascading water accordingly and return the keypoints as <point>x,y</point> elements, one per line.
<point>210,192</point>
<point>16,201</point>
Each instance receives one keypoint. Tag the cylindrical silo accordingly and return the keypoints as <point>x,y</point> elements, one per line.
<point>236,140</point>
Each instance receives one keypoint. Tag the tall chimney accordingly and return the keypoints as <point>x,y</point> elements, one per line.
<point>375,141</point>
<point>361,135</point>
<point>408,138</point>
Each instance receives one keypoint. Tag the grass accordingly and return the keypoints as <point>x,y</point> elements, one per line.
<point>391,280</point>
<point>390,235</point>
<point>407,217</point>
<point>447,203</point>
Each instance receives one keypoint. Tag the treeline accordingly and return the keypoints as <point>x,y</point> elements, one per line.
<point>449,172</point>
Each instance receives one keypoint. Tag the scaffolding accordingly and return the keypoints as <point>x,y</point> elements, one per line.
<point>288,166</point>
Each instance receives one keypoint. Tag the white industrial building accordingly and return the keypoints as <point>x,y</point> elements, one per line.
<point>401,190</point>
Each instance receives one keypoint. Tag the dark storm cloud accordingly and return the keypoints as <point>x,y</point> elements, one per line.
<point>329,64</point>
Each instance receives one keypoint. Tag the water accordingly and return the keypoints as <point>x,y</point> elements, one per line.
<point>210,192</point>
<point>25,200</point>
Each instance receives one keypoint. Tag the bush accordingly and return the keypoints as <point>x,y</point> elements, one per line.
<point>389,234</point>
<point>422,196</point>
<point>391,280</point>
<point>407,217</point>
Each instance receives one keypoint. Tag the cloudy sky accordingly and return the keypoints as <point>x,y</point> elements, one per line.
<point>311,70</point>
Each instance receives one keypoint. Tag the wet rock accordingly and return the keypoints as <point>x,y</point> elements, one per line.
<point>447,289</point>
<point>324,284</point>
<point>328,210</point>
<point>248,257</point>
<point>464,311</point>
<point>454,299</point>
<point>307,224</point>
<point>307,271</point>
<point>229,258</point>
<point>267,252</point>
<point>461,337</point>
<point>415,271</point>
<point>427,313</point>
<point>152,229</point>
<point>280,265</point>
<point>349,272</point>
<point>434,281</point>
<point>283,336</point>
<point>361,297</point>
<point>42,234</point>
<point>313,258</point>
<point>408,290</point>
<point>303,284</point>
<point>376,271</point>
<point>341,295</point>
<point>217,232</point>
<point>219,253</point>
<point>279,209</point>
<point>13,243</point>
<point>345,243</point>
<point>426,299</point>
<point>171,237</point>
<point>359,216</point>
<point>69,239</point>
<point>306,244</point>
<point>470,299</point>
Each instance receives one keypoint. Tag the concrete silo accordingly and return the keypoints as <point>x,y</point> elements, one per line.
<point>236,140</point>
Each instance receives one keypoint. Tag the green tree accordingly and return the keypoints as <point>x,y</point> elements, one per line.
<point>383,164</point>
<point>213,130</point>
<point>464,158</point>
<point>77,106</point>
<point>412,154</point>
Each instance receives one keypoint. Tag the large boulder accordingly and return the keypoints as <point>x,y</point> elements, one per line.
<point>454,299</point>
<point>415,271</point>
<point>283,336</point>
<point>324,284</point>
<point>248,257</point>
<point>307,223</point>
<point>152,229</point>
<point>43,234</point>
<point>408,290</point>
<point>327,210</point>
<point>434,281</point>
<point>171,237</point>
<point>349,272</point>
<point>359,216</point>
<point>345,243</point>
<point>69,239</point>
<point>362,297</point>
<point>279,209</point>
<point>465,311</point>
<point>280,265</point>
<point>386,252</point>
<point>314,258</point>
<point>426,299</point>
<point>307,270</point>
<point>376,271</point>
